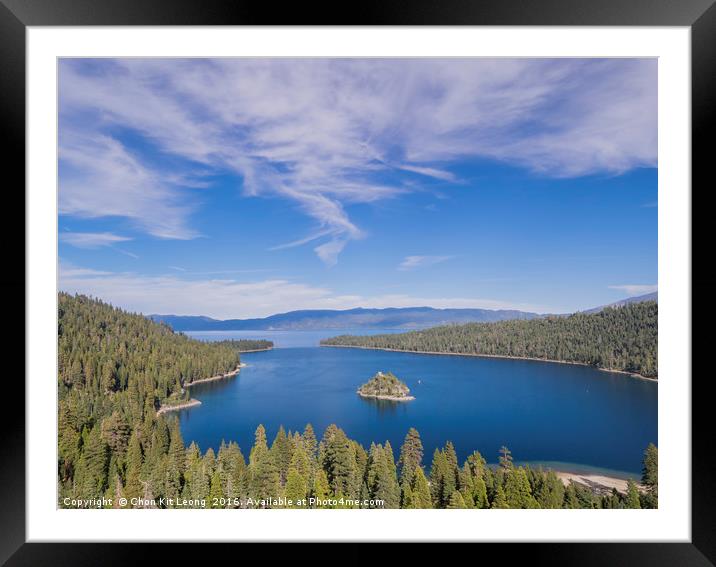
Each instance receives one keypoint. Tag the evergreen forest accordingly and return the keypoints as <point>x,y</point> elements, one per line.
<point>116,369</point>
<point>616,338</point>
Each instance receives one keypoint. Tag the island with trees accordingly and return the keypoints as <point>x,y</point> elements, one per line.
<point>385,386</point>
<point>622,339</point>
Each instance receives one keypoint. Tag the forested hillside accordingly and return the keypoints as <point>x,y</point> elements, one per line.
<point>115,370</point>
<point>618,338</point>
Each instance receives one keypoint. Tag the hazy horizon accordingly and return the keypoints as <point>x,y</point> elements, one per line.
<point>373,308</point>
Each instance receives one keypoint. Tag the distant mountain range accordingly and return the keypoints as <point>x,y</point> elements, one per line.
<point>389,318</point>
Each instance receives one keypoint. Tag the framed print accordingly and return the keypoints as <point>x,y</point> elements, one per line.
<point>420,276</point>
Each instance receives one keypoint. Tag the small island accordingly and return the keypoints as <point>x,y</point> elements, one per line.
<point>385,386</point>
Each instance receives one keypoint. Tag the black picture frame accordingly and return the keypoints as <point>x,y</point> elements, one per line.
<point>17,15</point>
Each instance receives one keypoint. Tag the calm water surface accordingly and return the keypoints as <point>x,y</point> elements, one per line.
<point>544,412</point>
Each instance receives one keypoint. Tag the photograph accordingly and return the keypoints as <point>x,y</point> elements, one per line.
<point>357,283</point>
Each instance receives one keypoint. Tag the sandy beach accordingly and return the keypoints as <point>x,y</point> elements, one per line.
<point>595,481</point>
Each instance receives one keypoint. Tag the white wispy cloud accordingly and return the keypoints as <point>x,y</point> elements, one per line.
<point>101,178</point>
<point>413,262</point>
<point>430,172</point>
<point>127,253</point>
<point>635,289</point>
<point>231,298</point>
<point>301,241</point>
<point>91,239</point>
<point>323,132</point>
<point>329,251</point>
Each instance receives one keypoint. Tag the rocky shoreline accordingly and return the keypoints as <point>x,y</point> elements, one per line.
<point>389,398</point>
<point>189,404</point>
<point>234,372</point>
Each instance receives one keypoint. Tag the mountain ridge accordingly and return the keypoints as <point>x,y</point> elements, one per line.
<point>653,296</point>
<point>306,319</point>
<point>368,318</point>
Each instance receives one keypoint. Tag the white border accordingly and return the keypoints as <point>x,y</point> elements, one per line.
<point>671,522</point>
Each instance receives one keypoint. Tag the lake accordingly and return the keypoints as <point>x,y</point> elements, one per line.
<point>570,417</point>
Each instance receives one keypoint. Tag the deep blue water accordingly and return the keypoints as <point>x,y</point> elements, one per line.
<point>542,411</point>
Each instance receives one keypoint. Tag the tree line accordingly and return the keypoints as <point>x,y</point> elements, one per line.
<point>618,338</point>
<point>117,368</point>
<point>335,472</point>
<point>245,345</point>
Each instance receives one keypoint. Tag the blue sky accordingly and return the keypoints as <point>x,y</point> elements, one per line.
<point>244,187</point>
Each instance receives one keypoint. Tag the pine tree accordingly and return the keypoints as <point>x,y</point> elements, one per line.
<point>68,442</point>
<point>216,492</point>
<point>119,494</point>
<point>406,498</point>
<point>456,501</point>
<point>479,493</point>
<point>321,489</point>
<point>499,501</point>
<point>570,496</point>
<point>309,442</point>
<point>442,479</point>
<point>471,484</point>
<point>466,485</point>
<point>650,476</point>
<point>177,452</point>
<point>411,457</point>
<point>301,463</point>
<point>134,486</point>
<point>95,460</point>
<point>632,495</point>
<point>281,451</point>
<point>517,490</point>
<point>337,456</point>
<point>158,476</point>
<point>550,491</point>
<point>477,464</point>
<point>505,459</point>
<point>612,501</point>
<point>260,448</point>
<point>382,481</point>
<point>296,487</point>
<point>236,474</point>
<point>452,464</point>
<point>115,431</point>
<point>580,496</point>
<point>264,476</point>
<point>195,485</point>
<point>420,491</point>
